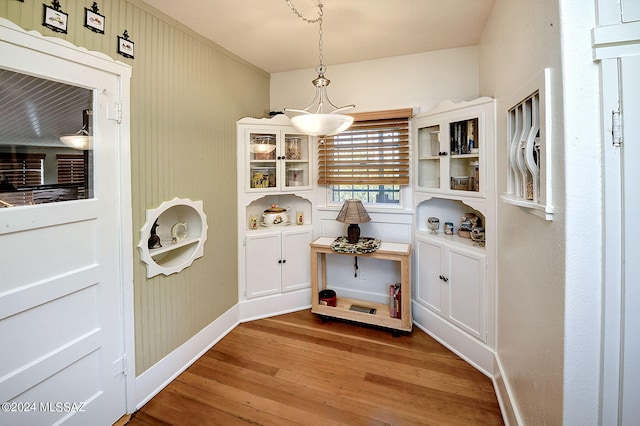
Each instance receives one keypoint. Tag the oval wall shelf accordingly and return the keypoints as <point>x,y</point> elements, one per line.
<point>182,230</point>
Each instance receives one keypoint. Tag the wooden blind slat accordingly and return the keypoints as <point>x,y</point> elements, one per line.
<point>375,150</point>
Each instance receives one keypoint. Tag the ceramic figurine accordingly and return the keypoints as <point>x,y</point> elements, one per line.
<point>154,240</point>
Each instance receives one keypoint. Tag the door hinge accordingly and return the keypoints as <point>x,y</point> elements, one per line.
<point>119,366</point>
<point>117,113</point>
<point>616,128</point>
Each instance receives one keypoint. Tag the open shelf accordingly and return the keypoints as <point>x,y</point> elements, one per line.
<point>175,253</point>
<point>381,318</point>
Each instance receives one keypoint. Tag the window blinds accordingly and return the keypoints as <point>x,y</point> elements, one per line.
<point>374,150</point>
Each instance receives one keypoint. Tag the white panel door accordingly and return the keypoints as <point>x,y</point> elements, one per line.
<point>467,290</point>
<point>630,360</point>
<point>296,258</point>
<point>61,273</point>
<point>430,286</point>
<point>630,10</point>
<point>263,264</point>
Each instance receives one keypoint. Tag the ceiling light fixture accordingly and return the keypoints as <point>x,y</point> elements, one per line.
<point>312,119</point>
<point>82,139</point>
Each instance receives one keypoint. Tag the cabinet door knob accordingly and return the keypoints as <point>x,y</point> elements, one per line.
<point>280,261</point>
<point>442,153</point>
<point>284,260</point>
<point>441,277</point>
<point>445,279</point>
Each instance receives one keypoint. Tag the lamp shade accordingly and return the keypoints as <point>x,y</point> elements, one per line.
<point>321,124</point>
<point>353,212</point>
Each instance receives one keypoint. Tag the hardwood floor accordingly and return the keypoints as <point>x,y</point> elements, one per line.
<point>295,369</point>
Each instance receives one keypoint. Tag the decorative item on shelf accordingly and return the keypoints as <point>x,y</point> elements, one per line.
<point>319,123</point>
<point>448,228</point>
<point>275,216</point>
<point>433,223</point>
<point>293,148</point>
<point>154,240</point>
<point>477,235</point>
<point>178,232</point>
<point>395,301</point>
<point>299,217</point>
<point>295,177</point>
<point>253,221</point>
<point>460,183</point>
<point>328,297</point>
<point>363,246</point>
<point>263,147</point>
<point>468,222</point>
<point>81,139</point>
<point>353,213</point>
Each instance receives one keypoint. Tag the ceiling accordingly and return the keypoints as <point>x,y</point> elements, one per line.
<point>36,111</point>
<point>269,35</point>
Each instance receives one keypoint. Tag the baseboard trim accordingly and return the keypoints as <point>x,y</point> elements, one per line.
<point>457,341</point>
<point>509,409</point>
<point>152,381</point>
<point>263,307</point>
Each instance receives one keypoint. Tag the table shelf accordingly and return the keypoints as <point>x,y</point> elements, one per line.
<point>388,251</point>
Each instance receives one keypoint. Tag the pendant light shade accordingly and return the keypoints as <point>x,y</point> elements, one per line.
<point>82,139</point>
<point>313,120</point>
<point>321,124</point>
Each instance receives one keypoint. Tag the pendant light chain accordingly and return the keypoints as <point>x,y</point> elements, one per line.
<point>321,68</point>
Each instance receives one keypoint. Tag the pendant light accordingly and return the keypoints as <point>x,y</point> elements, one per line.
<point>82,139</point>
<point>313,119</point>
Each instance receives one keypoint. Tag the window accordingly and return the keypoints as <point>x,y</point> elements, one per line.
<point>17,171</point>
<point>71,169</point>
<point>370,160</point>
<point>21,169</point>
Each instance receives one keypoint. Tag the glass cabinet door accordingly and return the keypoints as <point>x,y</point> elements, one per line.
<point>262,160</point>
<point>430,151</point>
<point>277,161</point>
<point>448,156</point>
<point>296,160</point>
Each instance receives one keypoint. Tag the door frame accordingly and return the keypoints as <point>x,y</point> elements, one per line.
<point>32,41</point>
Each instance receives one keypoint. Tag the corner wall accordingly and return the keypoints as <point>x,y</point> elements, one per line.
<point>548,272</point>
<point>186,95</point>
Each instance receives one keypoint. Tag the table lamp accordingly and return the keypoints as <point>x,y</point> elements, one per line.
<point>353,213</point>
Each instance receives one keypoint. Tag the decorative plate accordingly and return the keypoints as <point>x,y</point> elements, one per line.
<point>363,246</point>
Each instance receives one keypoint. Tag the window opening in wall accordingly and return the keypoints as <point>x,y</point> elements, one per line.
<point>370,160</point>
<point>35,166</point>
<point>371,194</point>
<point>524,149</point>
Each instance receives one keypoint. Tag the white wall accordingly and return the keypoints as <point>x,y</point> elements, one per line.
<point>419,81</point>
<point>549,272</point>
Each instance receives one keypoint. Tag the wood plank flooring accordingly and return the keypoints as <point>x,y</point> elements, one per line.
<point>296,369</point>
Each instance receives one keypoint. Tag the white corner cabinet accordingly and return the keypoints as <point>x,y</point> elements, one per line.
<point>179,236</point>
<point>454,276</point>
<point>451,281</point>
<point>451,145</point>
<point>275,157</point>
<point>273,259</point>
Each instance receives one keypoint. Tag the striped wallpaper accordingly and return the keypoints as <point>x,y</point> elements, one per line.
<point>186,95</point>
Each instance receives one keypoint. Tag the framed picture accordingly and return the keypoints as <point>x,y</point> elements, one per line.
<point>55,19</point>
<point>93,20</point>
<point>125,46</point>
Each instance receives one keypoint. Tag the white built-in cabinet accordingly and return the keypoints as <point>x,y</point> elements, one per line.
<point>454,174</point>
<point>274,168</point>
<point>277,261</point>
<point>453,283</point>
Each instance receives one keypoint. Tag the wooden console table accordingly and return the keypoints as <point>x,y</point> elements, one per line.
<point>389,251</point>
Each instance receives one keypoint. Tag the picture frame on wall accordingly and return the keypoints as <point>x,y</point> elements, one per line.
<point>125,46</point>
<point>93,20</point>
<point>54,18</point>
